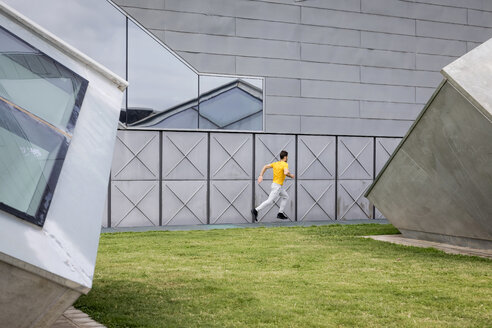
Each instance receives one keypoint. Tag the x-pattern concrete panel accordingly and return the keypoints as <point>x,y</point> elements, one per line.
<point>230,202</point>
<point>184,202</point>
<point>384,149</point>
<point>184,156</point>
<point>231,156</point>
<point>316,157</point>
<point>136,156</point>
<point>268,148</point>
<point>351,201</point>
<point>316,200</point>
<point>355,158</point>
<point>134,203</point>
<point>269,214</point>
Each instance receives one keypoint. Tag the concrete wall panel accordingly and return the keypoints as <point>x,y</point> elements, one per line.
<point>184,156</point>
<point>316,200</point>
<point>352,205</point>
<point>355,158</point>
<point>316,157</point>
<point>134,203</point>
<point>356,56</point>
<point>184,202</point>
<point>278,123</point>
<point>135,156</point>
<point>313,106</point>
<point>231,156</point>
<point>230,201</point>
<point>384,110</point>
<point>357,21</point>
<point>357,91</point>
<point>346,126</point>
<point>283,87</point>
<point>415,10</point>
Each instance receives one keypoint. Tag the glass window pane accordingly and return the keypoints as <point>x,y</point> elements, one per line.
<point>39,104</point>
<point>159,82</point>
<point>181,119</point>
<point>95,27</point>
<point>231,103</point>
<point>33,81</point>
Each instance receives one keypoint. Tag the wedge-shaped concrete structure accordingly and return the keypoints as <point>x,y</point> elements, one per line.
<point>438,183</point>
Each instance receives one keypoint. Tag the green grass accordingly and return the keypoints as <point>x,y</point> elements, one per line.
<point>284,277</point>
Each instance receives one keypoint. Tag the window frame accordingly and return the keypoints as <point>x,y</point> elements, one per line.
<point>65,135</point>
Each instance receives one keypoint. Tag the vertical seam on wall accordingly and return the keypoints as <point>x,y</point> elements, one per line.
<point>295,179</point>
<point>208,177</point>
<point>161,154</point>
<point>374,173</point>
<point>253,176</point>
<point>126,70</point>
<point>336,177</point>
<point>198,95</point>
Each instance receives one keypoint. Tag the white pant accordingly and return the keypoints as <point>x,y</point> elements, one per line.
<point>277,191</point>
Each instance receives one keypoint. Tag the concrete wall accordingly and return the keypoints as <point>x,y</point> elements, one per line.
<point>437,185</point>
<point>337,67</point>
<point>187,178</point>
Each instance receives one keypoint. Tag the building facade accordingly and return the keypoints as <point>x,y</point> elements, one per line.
<point>362,67</point>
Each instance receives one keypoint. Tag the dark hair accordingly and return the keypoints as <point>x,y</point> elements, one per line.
<point>283,153</point>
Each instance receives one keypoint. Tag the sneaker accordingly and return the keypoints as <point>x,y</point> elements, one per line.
<point>282,216</point>
<point>255,214</point>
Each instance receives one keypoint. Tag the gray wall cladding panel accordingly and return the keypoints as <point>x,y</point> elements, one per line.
<point>357,21</point>
<point>232,45</point>
<point>352,205</point>
<point>357,56</point>
<point>316,157</point>
<point>134,203</point>
<point>184,156</point>
<point>135,156</point>
<point>230,156</point>
<point>415,10</point>
<point>355,158</point>
<point>278,123</point>
<point>316,200</point>
<point>230,201</point>
<point>391,51</point>
<point>184,202</point>
<point>347,126</point>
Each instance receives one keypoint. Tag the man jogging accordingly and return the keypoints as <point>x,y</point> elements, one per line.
<point>280,171</point>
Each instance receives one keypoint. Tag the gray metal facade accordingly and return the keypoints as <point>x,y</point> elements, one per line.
<point>352,67</point>
<point>190,177</point>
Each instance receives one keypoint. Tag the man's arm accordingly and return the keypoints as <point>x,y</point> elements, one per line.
<point>287,173</point>
<point>266,167</point>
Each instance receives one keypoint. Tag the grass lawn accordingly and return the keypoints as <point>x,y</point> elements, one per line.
<point>284,277</point>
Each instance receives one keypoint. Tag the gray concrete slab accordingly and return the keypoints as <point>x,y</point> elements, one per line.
<point>447,248</point>
<point>437,184</point>
<point>73,318</point>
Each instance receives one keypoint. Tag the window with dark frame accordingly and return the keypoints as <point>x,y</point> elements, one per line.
<point>40,101</point>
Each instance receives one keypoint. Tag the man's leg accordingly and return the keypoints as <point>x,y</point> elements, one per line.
<point>284,197</point>
<point>274,193</point>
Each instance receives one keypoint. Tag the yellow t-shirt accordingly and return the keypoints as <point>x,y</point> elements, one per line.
<point>278,171</point>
